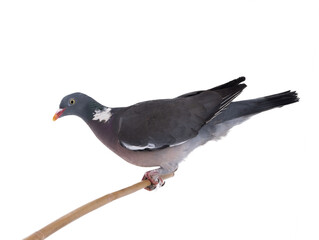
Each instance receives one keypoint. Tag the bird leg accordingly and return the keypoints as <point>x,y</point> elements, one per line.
<point>154,176</point>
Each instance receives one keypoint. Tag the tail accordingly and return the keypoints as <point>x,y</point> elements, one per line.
<point>266,103</point>
<point>254,106</point>
<point>238,112</point>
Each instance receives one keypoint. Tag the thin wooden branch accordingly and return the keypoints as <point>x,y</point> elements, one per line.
<point>89,207</point>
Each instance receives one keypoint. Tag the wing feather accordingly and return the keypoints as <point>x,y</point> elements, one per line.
<point>157,124</point>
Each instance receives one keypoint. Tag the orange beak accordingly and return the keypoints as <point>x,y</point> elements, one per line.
<point>58,114</point>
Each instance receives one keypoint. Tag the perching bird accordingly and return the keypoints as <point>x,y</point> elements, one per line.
<point>163,132</point>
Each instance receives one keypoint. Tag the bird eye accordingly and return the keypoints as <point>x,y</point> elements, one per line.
<point>71,101</point>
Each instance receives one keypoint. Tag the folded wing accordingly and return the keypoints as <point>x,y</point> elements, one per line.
<point>163,123</point>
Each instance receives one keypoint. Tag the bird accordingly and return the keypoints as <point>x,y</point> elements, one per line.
<point>161,133</point>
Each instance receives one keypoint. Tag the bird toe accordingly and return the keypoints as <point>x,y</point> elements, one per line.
<point>154,178</point>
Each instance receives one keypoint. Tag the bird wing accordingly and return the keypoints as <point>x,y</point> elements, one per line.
<point>169,122</point>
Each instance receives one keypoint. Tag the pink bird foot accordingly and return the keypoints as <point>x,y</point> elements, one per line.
<point>155,179</point>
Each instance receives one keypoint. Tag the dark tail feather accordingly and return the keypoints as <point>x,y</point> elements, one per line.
<point>272,101</point>
<point>254,106</point>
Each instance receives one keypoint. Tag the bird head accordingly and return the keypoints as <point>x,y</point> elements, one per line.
<point>77,104</point>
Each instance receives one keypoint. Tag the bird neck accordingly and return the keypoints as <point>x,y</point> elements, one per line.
<point>94,111</point>
<point>102,115</point>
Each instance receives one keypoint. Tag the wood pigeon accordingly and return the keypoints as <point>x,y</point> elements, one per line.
<point>161,133</point>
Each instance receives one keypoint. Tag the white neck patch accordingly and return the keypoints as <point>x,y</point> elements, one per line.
<point>102,115</point>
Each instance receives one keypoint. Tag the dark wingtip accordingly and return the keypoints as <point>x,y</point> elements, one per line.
<point>241,79</point>
<point>232,83</point>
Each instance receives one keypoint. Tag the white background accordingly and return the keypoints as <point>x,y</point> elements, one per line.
<point>260,182</point>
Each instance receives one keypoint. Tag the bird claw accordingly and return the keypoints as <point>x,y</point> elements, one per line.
<point>154,178</point>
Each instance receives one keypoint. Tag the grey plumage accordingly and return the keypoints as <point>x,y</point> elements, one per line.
<point>163,132</point>
<point>172,121</point>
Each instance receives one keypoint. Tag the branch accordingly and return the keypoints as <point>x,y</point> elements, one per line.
<point>89,207</point>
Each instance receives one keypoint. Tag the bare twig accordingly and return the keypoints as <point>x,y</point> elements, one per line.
<point>89,207</point>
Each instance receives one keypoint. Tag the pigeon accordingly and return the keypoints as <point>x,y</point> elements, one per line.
<point>161,133</point>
